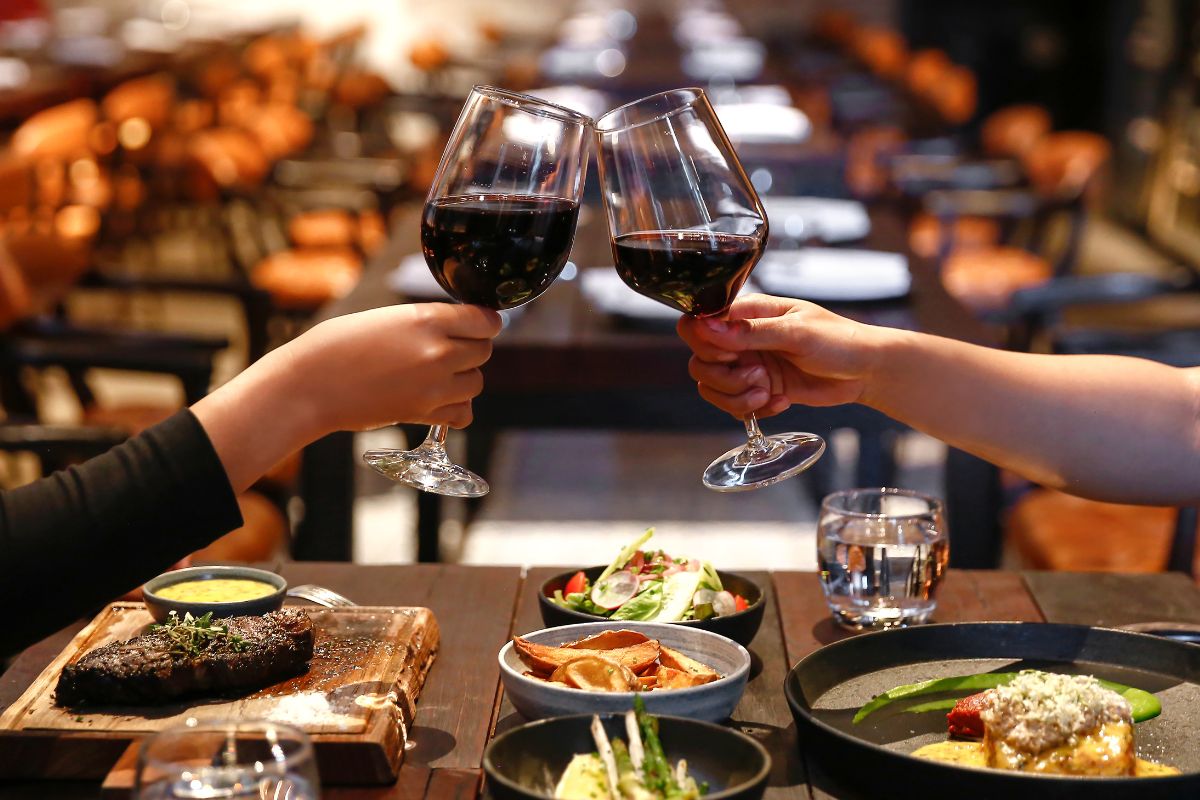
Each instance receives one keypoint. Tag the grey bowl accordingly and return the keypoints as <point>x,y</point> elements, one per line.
<point>714,701</point>
<point>160,607</point>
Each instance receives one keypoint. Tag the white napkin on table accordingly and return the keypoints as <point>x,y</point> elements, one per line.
<point>604,291</point>
<point>824,218</point>
<point>412,278</point>
<point>819,273</point>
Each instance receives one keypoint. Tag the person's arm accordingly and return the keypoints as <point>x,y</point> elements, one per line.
<point>78,538</point>
<point>82,536</point>
<point>413,363</point>
<point>1107,427</point>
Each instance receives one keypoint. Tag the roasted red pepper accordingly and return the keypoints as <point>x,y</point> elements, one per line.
<point>964,719</point>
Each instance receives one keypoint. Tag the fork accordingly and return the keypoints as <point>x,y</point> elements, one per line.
<point>320,595</point>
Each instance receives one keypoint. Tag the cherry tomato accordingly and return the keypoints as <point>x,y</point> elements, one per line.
<point>578,583</point>
<point>739,603</point>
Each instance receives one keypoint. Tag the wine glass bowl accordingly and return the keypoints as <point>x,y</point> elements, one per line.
<point>687,228</point>
<point>496,250</point>
<point>496,231</point>
<point>227,758</point>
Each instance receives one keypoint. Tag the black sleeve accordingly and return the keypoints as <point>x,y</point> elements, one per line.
<point>81,537</point>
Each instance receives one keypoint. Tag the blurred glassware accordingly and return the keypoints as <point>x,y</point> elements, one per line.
<point>763,123</point>
<point>227,759</point>
<point>822,219</point>
<point>577,98</point>
<point>739,59</point>
<point>696,26</point>
<point>576,62</point>
<point>14,73</point>
<point>771,94</point>
<point>881,555</point>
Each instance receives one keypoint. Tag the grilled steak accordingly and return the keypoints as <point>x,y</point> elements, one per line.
<point>147,670</point>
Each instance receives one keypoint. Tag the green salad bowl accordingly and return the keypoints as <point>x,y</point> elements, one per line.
<point>740,626</point>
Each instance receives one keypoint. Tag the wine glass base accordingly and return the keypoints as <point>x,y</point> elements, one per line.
<point>426,471</point>
<point>785,455</point>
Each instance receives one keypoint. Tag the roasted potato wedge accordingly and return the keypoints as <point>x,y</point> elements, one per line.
<point>596,674</point>
<point>609,640</point>
<point>673,659</point>
<point>670,678</point>
<point>547,659</point>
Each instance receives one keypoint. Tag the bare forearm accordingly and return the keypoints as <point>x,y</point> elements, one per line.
<point>259,418</point>
<point>1120,429</point>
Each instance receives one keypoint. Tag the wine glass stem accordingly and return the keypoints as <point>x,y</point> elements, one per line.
<point>435,443</point>
<point>754,435</point>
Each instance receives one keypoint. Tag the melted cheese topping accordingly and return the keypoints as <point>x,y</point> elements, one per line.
<point>1038,711</point>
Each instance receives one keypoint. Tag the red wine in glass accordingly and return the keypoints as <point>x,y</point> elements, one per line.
<point>497,250</point>
<point>698,272</point>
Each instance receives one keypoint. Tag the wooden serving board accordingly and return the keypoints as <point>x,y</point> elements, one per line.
<point>357,700</point>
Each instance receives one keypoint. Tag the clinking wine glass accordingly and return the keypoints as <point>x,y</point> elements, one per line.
<point>687,228</point>
<point>496,231</point>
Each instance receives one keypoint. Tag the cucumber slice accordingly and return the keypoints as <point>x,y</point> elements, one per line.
<point>678,590</point>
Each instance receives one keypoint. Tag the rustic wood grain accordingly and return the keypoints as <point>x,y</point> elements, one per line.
<point>981,596</point>
<point>356,700</point>
<point>456,710</point>
<point>1108,600</point>
<point>965,595</point>
<point>762,712</point>
<point>454,784</point>
<point>526,618</point>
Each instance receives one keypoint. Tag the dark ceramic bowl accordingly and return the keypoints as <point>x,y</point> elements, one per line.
<point>872,758</point>
<point>525,762</point>
<point>160,607</point>
<point>741,627</point>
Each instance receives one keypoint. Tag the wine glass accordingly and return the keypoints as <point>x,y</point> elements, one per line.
<point>496,231</point>
<point>227,758</point>
<point>687,228</point>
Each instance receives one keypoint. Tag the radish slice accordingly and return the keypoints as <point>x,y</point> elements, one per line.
<point>724,604</point>
<point>616,590</point>
<point>704,597</point>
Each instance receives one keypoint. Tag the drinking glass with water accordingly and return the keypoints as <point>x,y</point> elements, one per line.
<point>882,554</point>
<point>235,759</point>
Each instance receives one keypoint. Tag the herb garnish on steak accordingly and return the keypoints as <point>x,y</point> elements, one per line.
<point>249,653</point>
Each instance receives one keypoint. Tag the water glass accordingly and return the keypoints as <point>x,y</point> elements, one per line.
<point>882,554</point>
<point>240,759</point>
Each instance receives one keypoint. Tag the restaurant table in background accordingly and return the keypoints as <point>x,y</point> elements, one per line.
<point>479,608</point>
<point>563,364</point>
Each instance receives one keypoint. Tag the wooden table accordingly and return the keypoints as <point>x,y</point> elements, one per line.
<point>478,608</point>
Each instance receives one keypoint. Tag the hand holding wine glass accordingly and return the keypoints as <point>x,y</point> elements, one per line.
<point>687,228</point>
<point>496,231</point>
